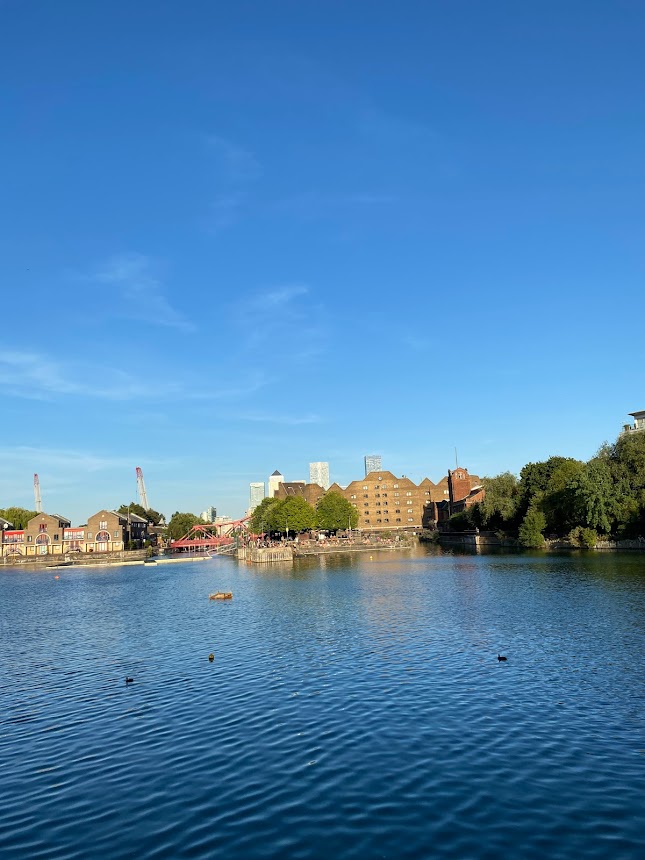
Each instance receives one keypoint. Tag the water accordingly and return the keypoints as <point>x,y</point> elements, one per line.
<point>354,709</point>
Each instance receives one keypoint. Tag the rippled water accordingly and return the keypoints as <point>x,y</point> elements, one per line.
<point>354,709</point>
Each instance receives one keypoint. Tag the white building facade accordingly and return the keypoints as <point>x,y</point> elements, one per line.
<point>319,474</point>
<point>274,482</point>
<point>256,494</point>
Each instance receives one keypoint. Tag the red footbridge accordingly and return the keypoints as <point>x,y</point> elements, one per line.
<point>211,536</point>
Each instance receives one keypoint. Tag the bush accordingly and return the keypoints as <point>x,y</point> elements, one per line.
<point>584,538</point>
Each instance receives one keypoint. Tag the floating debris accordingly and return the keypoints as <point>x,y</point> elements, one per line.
<point>211,657</point>
<point>221,595</point>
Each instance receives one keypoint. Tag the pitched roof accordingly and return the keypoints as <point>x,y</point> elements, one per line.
<point>276,473</point>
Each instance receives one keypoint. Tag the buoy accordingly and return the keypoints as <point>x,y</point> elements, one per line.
<point>57,576</point>
<point>211,657</point>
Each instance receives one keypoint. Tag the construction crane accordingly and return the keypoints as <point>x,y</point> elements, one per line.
<point>141,490</point>
<point>37,499</point>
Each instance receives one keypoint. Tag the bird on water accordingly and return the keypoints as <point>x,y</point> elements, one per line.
<point>129,680</point>
<point>501,659</point>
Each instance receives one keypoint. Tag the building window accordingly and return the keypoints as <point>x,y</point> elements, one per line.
<point>409,519</point>
<point>103,524</point>
<point>380,478</point>
<point>385,495</point>
<point>89,535</point>
<point>386,520</point>
<point>365,487</point>
<point>366,495</point>
<point>377,495</point>
<point>367,521</point>
<point>397,511</point>
<point>28,538</point>
<point>396,486</point>
<point>353,496</point>
<point>427,492</point>
<point>378,521</point>
<point>398,519</point>
<point>366,504</point>
<point>408,494</point>
<point>55,537</point>
<point>116,535</point>
<point>397,494</point>
<point>378,504</point>
<point>42,528</point>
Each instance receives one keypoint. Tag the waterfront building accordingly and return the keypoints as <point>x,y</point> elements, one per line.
<point>319,474</point>
<point>311,493</point>
<point>385,502</point>
<point>639,422</point>
<point>51,534</point>
<point>43,534</point>
<point>372,463</point>
<point>256,494</point>
<point>274,482</point>
<point>208,516</point>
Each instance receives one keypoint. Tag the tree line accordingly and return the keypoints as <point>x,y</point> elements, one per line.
<point>567,498</point>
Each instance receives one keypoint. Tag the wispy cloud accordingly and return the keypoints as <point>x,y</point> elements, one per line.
<point>302,317</point>
<point>237,163</point>
<point>278,418</point>
<point>67,459</point>
<point>142,292</point>
<point>281,298</point>
<point>41,377</point>
<point>310,205</point>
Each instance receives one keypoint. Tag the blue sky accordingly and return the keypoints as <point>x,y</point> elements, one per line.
<point>242,236</point>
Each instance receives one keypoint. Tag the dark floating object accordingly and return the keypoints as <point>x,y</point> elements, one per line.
<point>129,680</point>
<point>211,657</point>
<point>502,659</point>
<point>221,595</point>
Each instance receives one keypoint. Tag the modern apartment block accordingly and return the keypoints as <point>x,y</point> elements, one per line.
<point>319,474</point>
<point>274,482</point>
<point>372,463</point>
<point>639,422</point>
<point>208,516</point>
<point>256,494</point>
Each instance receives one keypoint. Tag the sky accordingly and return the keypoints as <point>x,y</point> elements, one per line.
<point>240,237</point>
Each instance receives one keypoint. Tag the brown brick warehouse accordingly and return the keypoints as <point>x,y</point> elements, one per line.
<point>385,502</point>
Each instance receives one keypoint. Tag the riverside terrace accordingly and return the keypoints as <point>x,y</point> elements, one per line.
<point>52,534</point>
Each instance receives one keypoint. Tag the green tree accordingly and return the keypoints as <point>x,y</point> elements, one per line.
<point>500,503</point>
<point>18,517</point>
<point>530,531</point>
<point>263,516</point>
<point>334,512</point>
<point>180,524</point>
<point>295,515</point>
<point>150,514</point>
<point>558,501</point>
<point>594,495</point>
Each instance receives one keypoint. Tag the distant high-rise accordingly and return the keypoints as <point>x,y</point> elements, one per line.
<point>256,494</point>
<point>274,481</point>
<point>208,516</point>
<point>372,463</point>
<point>319,474</point>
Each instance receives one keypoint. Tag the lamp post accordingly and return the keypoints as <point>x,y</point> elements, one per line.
<point>286,526</point>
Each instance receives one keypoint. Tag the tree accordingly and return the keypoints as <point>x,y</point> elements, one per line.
<point>295,514</point>
<point>334,512</point>
<point>594,496</point>
<point>530,531</point>
<point>262,517</point>
<point>558,501</point>
<point>149,514</point>
<point>18,517</point>
<point>180,524</point>
<point>499,505</point>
